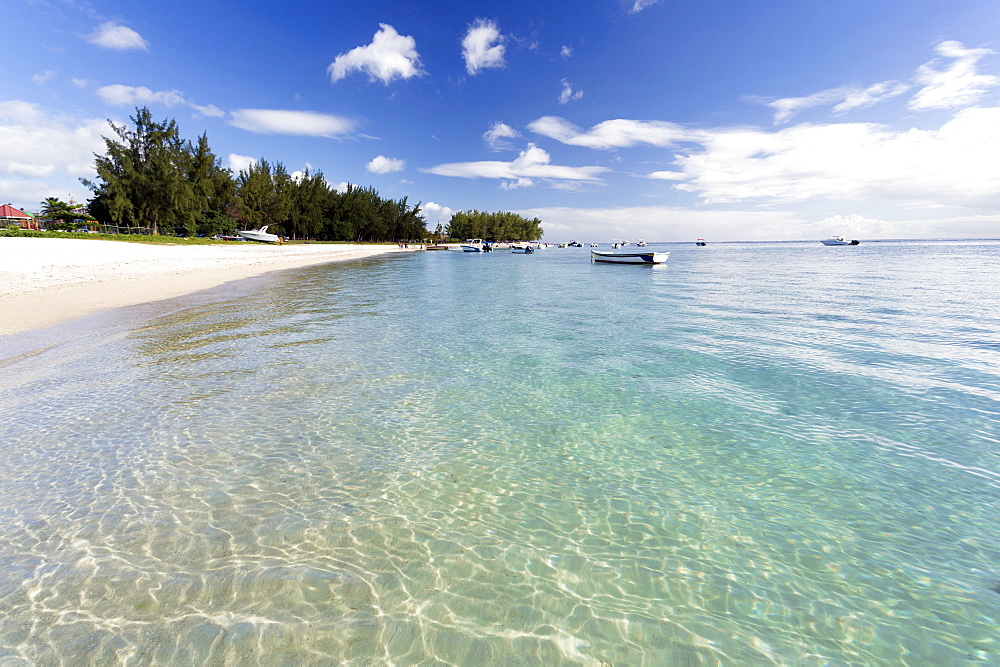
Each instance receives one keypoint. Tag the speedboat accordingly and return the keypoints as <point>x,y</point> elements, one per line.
<point>651,257</point>
<point>261,235</point>
<point>594,245</point>
<point>839,240</point>
<point>700,242</point>
<point>472,245</point>
<point>525,248</point>
<point>641,243</point>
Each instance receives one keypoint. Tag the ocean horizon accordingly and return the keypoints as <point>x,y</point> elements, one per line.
<point>756,453</point>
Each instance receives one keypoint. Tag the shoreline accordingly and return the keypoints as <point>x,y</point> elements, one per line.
<point>45,282</point>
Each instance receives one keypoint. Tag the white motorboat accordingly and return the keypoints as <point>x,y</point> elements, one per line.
<point>839,240</point>
<point>651,257</point>
<point>641,243</point>
<point>260,235</point>
<point>594,245</point>
<point>525,248</point>
<point>472,245</point>
<point>700,242</point>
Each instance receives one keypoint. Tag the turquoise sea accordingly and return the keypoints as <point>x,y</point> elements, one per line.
<point>761,453</point>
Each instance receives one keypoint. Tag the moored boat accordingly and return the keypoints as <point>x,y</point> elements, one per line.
<point>472,245</point>
<point>651,257</point>
<point>839,240</point>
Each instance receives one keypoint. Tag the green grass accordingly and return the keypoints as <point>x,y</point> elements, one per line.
<point>142,238</point>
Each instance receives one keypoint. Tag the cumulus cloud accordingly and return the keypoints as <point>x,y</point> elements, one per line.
<point>618,133</point>
<point>238,163</point>
<point>531,164</point>
<point>436,213</point>
<point>566,51</point>
<point>958,84</point>
<point>568,94</point>
<point>42,154</point>
<point>482,46</point>
<point>497,136</point>
<point>385,165</point>
<point>390,56</point>
<point>118,94</point>
<point>948,166</point>
<point>303,123</point>
<point>114,36</point>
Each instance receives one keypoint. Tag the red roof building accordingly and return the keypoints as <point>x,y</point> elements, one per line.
<point>10,215</point>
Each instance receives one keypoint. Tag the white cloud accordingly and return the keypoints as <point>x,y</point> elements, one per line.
<point>957,85</point>
<point>640,5</point>
<point>532,163</point>
<point>668,176</point>
<point>238,163</point>
<point>304,123</point>
<point>390,56</point>
<point>118,94</point>
<point>436,213</point>
<point>950,166</point>
<point>566,51</point>
<point>618,133</point>
<point>842,99</point>
<point>568,94</point>
<point>482,46</point>
<point>385,165</point>
<point>113,36</point>
<point>870,96</point>
<point>45,155</point>
<point>496,137</point>
<point>43,77</point>
<point>139,95</point>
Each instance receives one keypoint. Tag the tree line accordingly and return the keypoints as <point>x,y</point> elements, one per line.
<point>151,177</point>
<point>501,226</point>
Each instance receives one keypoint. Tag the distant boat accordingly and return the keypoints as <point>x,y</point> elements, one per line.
<point>641,243</point>
<point>261,235</point>
<point>839,240</point>
<point>525,248</point>
<point>594,245</point>
<point>700,242</point>
<point>472,245</point>
<point>629,257</point>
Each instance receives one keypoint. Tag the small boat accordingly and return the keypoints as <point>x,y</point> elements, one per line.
<point>261,235</point>
<point>575,244</point>
<point>641,243</point>
<point>594,245</point>
<point>839,240</point>
<point>525,248</point>
<point>651,257</point>
<point>700,242</point>
<point>472,245</point>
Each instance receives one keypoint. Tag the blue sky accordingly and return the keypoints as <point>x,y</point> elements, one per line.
<point>655,119</point>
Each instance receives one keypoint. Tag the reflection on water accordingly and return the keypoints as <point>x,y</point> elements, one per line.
<point>529,460</point>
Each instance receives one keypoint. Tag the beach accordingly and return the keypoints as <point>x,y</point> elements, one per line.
<point>44,281</point>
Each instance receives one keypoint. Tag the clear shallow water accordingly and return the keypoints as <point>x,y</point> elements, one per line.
<point>760,453</point>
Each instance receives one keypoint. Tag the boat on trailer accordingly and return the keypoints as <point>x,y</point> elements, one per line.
<point>651,257</point>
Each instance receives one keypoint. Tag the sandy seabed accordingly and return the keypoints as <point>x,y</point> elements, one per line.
<point>45,281</point>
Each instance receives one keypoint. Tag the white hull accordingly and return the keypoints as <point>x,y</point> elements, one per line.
<point>260,235</point>
<point>629,257</point>
<point>839,240</point>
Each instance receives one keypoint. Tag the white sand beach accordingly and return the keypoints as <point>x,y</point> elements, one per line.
<point>45,281</point>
